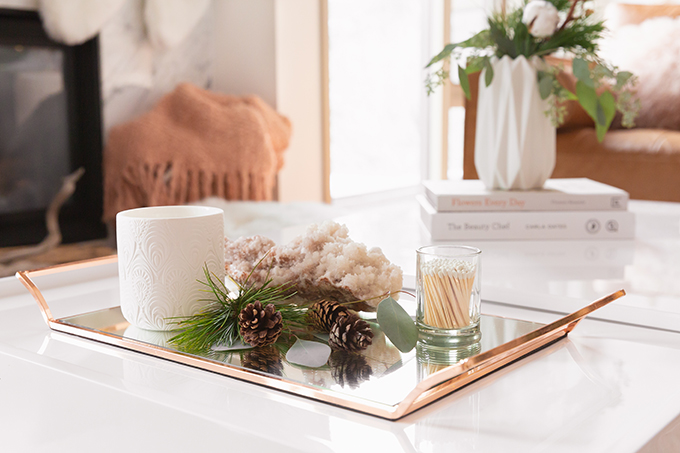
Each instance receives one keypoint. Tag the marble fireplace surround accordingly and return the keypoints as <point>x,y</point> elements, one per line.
<point>135,73</point>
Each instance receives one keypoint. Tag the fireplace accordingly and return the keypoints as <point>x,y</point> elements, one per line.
<point>50,125</point>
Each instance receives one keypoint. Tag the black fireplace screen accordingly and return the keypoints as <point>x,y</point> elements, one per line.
<point>34,146</point>
<point>50,125</point>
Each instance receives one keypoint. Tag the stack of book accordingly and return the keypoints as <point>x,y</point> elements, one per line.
<point>570,208</point>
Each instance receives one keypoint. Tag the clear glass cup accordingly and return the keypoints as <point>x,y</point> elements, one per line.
<point>448,295</point>
<point>434,358</point>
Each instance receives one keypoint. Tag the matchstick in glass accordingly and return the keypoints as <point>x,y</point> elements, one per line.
<point>448,295</point>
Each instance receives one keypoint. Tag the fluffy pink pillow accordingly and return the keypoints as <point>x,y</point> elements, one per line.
<point>651,51</point>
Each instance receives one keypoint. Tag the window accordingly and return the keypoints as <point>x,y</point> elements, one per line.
<point>378,104</point>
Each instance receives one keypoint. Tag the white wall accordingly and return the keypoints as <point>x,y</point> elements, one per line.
<point>299,96</point>
<point>272,48</point>
<point>245,48</point>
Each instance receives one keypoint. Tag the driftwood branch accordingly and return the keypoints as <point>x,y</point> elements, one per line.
<point>53,237</point>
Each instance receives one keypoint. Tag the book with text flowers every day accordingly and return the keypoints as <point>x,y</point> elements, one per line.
<point>566,194</point>
<point>504,225</point>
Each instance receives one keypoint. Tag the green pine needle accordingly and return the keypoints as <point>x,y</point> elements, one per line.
<point>217,323</point>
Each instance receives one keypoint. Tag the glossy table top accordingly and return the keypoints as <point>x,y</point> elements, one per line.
<point>608,387</point>
<point>571,272</point>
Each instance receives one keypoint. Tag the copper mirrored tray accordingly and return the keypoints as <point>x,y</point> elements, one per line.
<point>381,381</point>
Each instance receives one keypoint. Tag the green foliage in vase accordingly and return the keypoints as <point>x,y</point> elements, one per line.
<point>539,28</point>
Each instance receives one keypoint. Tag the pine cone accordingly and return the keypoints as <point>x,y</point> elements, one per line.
<point>349,369</point>
<point>324,313</point>
<point>267,360</point>
<point>260,326</point>
<point>350,333</point>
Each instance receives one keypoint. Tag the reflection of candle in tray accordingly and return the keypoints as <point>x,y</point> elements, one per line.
<point>447,287</point>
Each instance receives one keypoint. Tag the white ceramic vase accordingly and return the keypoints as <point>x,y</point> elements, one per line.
<point>162,252</point>
<point>514,140</point>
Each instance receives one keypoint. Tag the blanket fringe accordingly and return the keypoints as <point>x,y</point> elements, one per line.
<point>164,184</point>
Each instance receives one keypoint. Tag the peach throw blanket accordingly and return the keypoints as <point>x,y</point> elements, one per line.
<point>192,145</point>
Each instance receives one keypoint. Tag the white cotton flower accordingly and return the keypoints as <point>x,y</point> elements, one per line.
<point>541,18</point>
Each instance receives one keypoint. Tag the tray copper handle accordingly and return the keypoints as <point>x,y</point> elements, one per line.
<point>25,278</point>
<point>438,384</point>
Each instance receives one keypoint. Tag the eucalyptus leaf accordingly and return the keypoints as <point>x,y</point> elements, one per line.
<point>622,78</point>
<point>308,353</point>
<point>607,105</point>
<point>582,72</point>
<point>475,64</point>
<point>606,109</point>
<point>587,97</point>
<point>601,131</point>
<point>480,40</point>
<point>570,96</point>
<point>445,53</point>
<point>545,84</point>
<point>235,346</point>
<point>395,366</point>
<point>464,82</point>
<point>397,325</point>
<point>322,336</point>
<point>605,70</point>
<point>601,119</point>
<point>488,72</point>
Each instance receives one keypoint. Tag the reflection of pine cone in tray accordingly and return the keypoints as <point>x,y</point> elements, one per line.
<point>266,359</point>
<point>349,369</point>
<point>324,263</point>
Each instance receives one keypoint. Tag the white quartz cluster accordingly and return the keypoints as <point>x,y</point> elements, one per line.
<point>322,263</point>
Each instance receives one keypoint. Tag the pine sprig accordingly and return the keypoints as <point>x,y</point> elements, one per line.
<point>217,323</point>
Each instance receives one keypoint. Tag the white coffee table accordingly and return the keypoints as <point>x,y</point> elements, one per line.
<point>609,387</point>
<point>572,273</point>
